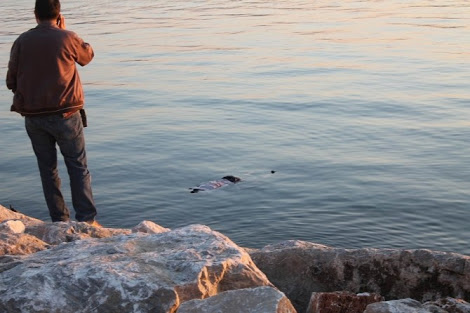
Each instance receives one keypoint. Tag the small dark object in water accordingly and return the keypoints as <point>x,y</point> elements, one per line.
<point>13,209</point>
<point>272,172</point>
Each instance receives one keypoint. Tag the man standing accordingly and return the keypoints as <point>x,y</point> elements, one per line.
<point>47,91</point>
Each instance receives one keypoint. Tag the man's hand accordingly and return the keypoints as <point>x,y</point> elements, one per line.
<point>61,21</point>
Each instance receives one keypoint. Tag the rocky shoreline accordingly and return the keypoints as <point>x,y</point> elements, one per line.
<point>73,267</point>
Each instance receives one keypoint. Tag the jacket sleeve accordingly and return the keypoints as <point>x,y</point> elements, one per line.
<point>13,67</point>
<point>83,51</point>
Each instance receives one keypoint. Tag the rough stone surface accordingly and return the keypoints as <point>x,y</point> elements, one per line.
<point>450,305</point>
<point>9,261</point>
<point>55,233</point>
<point>341,302</point>
<point>250,300</point>
<point>7,214</point>
<point>158,270</point>
<point>299,268</point>
<point>128,273</point>
<point>12,226</point>
<point>149,228</point>
<point>20,244</point>
<point>401,306</point>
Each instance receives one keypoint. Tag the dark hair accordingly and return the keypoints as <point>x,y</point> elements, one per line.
<point>232,179</point>
<point>47,9</point>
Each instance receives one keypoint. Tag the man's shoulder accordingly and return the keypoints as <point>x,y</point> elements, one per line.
<point>52,29</point>
<point>69,34</point>
<point>27,33</point>
<point>35,31</point>
<point>50,35</point>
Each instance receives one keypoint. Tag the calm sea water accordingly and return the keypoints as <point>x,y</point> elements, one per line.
<point>361,108</point>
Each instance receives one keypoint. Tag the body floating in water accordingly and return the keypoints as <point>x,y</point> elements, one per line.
<point>215,184</point>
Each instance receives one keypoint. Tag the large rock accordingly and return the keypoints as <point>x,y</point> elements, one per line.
<point>445,305</point>
<point>38,235</point>
<point>299,268</point>
<point>401,306</point>
<point>128,273</point>
<point>450,305</point>
<point>56,233</point>
<point>12,227</point>
<point>250,300</point>
<point>149,227</point>
<point>20,244</point>
<point>341,302</point>
<point>7,214</point>
<point>7,262</point>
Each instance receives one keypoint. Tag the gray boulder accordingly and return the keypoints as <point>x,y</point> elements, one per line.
<point>450,305</point>
<point>128,273</point>
<point>402,306</point>
<point>250,300</point>
<point>8,261</point>
<point>299,268</point>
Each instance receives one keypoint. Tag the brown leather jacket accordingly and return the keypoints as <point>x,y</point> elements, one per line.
<point>42,73</point>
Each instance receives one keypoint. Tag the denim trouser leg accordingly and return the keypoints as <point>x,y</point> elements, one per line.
<point>46,155</point>
<point>44,133</point>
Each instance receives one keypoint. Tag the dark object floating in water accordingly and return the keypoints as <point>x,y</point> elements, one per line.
<point>231,178</point>
<point>214,184</point>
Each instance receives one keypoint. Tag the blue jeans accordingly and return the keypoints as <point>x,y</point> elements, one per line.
<point>45,132</point>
